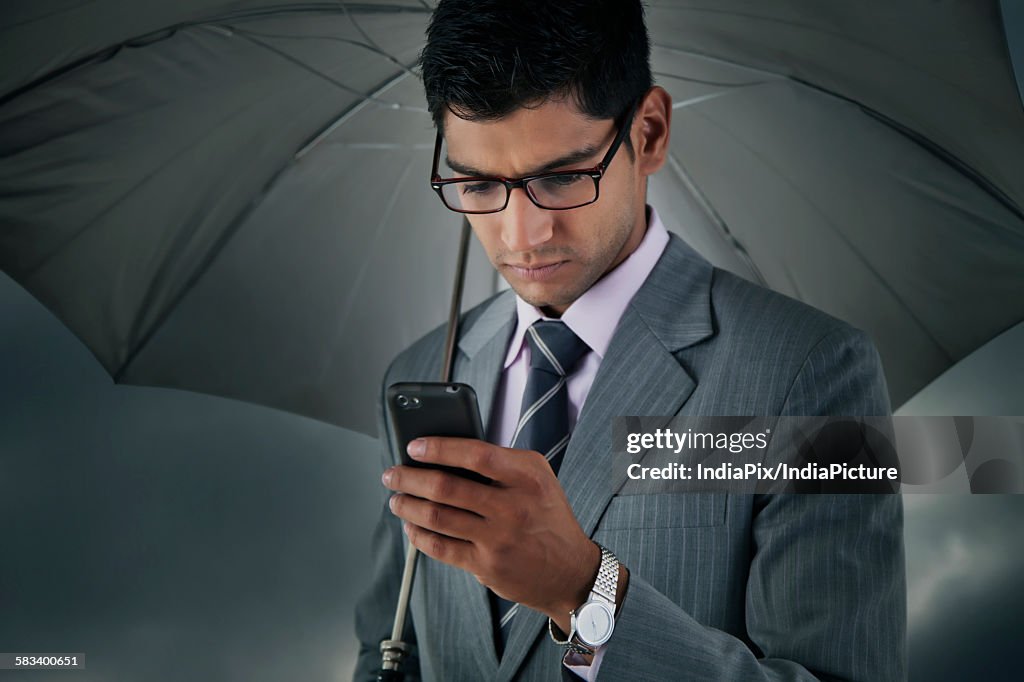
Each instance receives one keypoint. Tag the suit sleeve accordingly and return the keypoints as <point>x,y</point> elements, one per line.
<point>826,592</point>
<point>375,611</point>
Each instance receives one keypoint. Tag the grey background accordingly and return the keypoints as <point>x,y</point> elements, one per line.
<point>171,535</point>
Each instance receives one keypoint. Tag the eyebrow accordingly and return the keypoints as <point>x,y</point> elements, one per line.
<point>566,160</point>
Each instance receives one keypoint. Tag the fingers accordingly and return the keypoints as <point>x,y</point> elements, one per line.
<point>440,486</point>
<point>500,464</point>
<point>440,518</point>
<point>451,551</point>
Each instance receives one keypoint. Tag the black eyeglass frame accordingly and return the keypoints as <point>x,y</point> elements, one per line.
<point>437,183</point>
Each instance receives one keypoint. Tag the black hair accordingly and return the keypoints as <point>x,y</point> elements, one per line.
<point>486,58</point>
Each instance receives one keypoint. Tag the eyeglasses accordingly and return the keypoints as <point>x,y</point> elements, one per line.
<point>555,191</point>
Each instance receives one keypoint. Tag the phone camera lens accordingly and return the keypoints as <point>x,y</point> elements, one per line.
<point>402,401</point>
<point>414,401</point>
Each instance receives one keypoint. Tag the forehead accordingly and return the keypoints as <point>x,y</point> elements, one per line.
<point>523,140</point>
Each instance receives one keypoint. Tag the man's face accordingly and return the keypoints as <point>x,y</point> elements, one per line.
<point>550,258</point>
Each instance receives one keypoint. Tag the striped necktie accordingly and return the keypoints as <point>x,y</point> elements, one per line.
<point>544,419</point>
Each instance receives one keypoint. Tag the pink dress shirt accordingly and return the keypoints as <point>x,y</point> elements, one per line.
<point>593,317</point>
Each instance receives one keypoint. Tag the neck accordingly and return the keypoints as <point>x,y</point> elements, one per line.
<point>553,311</point>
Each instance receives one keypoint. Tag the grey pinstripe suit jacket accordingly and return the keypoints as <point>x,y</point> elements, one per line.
<point>722,587</point>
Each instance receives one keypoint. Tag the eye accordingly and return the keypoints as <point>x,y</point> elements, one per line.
<point>562,181</point>
<point>477,187</point>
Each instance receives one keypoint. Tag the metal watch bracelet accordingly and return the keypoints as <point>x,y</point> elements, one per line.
<point>604,589</point>
<point>568,642</point>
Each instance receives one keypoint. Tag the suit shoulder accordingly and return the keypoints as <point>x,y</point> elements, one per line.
<point>743,309</point>
<point>798,359</point>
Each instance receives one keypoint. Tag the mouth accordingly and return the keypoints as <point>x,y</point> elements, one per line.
<point>536,272</point>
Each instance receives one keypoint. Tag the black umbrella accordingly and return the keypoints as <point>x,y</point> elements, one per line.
<point>232,198</point>
<point>235,206</point>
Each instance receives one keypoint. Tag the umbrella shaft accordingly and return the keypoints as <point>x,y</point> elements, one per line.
<point>456,306</point>
<point>394,650</point>
<point>403,593</point>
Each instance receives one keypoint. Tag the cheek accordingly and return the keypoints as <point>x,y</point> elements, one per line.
<point>603,236</point>
<point>596,228</point>
<point>581,235</point>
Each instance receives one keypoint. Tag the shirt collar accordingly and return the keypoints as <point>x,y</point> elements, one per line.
<point>594,315</point>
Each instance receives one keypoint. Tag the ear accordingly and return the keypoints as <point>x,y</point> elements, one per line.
<point>650,133</point>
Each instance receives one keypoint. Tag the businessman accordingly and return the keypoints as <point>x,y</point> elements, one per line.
<point>548,126</point>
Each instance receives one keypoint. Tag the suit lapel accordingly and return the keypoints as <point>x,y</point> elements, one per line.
<point>484,345</point>
<point>639,376</point>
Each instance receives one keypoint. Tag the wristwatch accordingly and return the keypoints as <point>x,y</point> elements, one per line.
<point>591,624</point>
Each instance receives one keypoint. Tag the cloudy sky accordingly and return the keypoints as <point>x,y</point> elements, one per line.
<point>175,536</point>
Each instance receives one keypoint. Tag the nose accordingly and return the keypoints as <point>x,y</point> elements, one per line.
<point>525,226</point>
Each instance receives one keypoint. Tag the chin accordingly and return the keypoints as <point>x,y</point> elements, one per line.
<point>534,299</point>
<point>532,295</point>
<point>543,299</point>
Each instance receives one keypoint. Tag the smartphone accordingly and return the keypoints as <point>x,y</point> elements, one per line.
<point>434,409</point>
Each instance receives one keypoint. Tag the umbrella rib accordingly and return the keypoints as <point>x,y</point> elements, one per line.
<point>348,41</point>
<point>217,246</point>
<point>32,270</point>
<point>715,216</point>
<point>203,266</point>
<point>230,231</point>
<point>333,81</point>
<point>943,154</point>
<point>853,249</point>
<point>46,15</point>
<point>371,41</point>
<point>718,60</point>
<point>384,145</point>
<point>347,114</point>
<point>353,289</point>
<point>701,81</point>
<point>701,98</point>
<point>109,51</point>
<point>940,153</point>
<point>812,28</point>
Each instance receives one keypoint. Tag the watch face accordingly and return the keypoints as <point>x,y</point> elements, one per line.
<point>594,623</point>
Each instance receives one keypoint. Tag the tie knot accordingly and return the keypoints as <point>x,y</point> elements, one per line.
<point>554,347</point>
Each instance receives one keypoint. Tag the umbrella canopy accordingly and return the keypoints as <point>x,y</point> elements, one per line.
<point>231,197</point>
<point>237,206</point>
<point>868,160</point>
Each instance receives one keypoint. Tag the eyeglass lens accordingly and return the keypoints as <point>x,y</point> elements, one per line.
<point>553,192</point>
